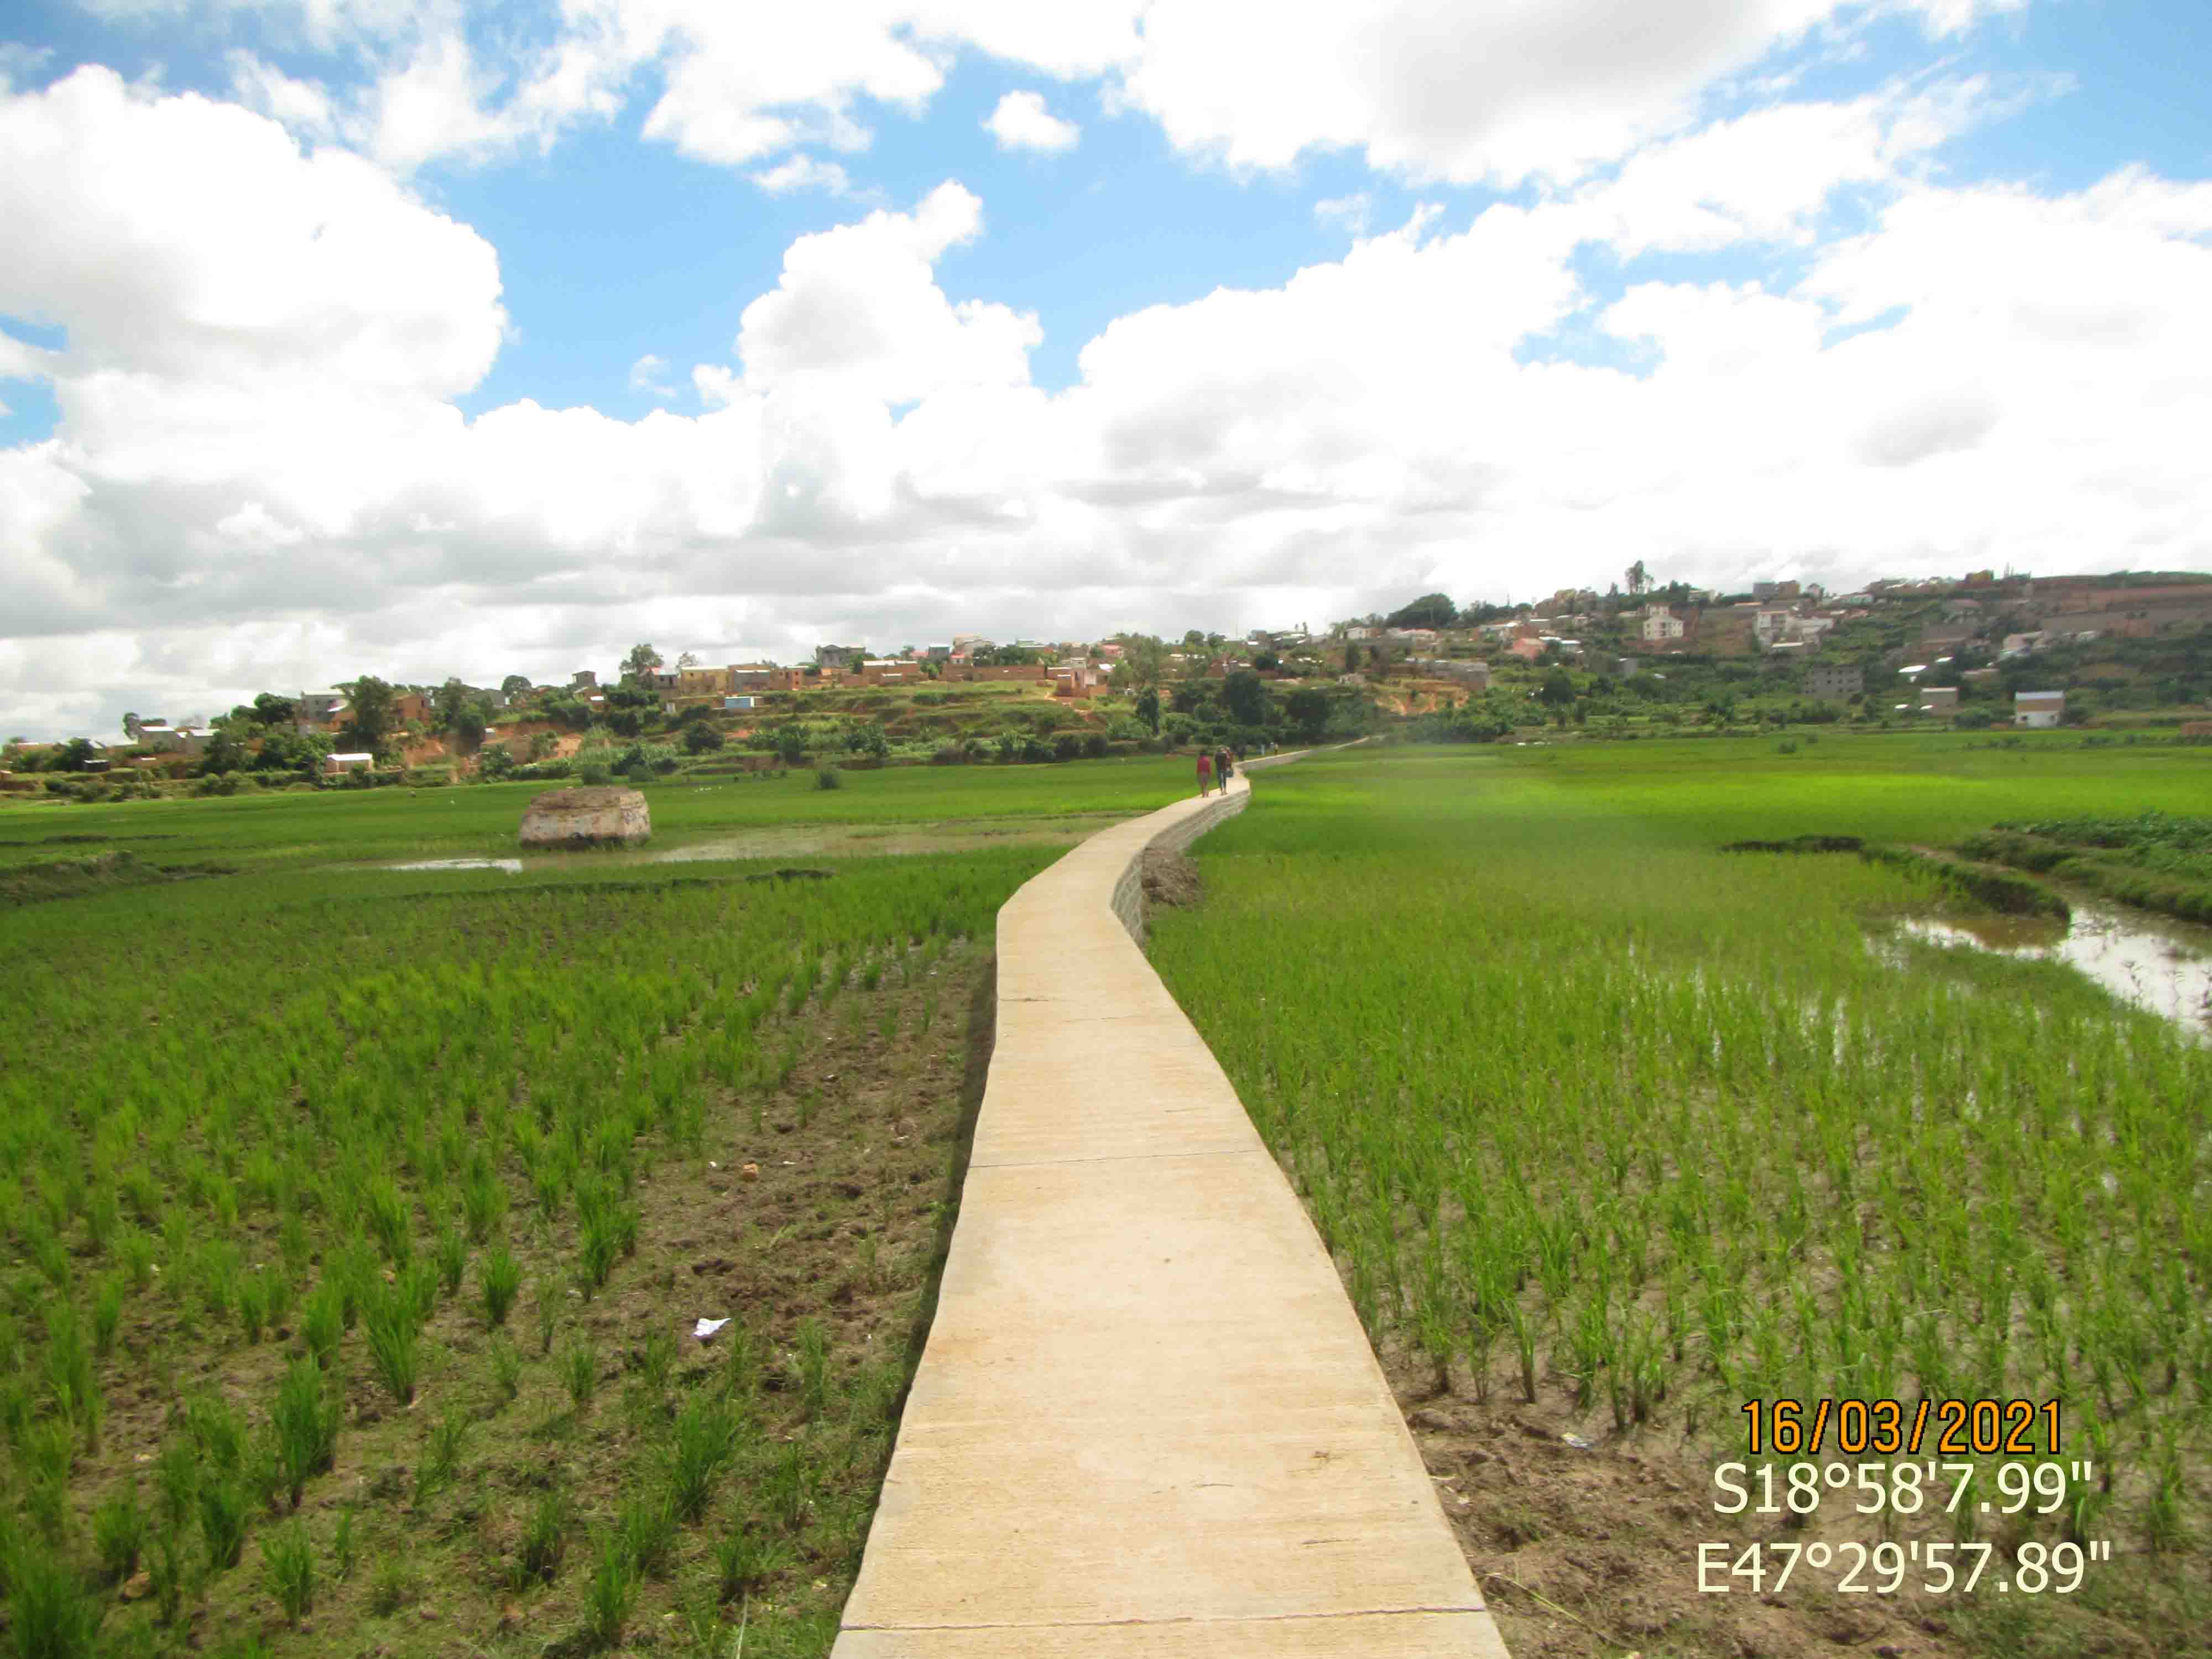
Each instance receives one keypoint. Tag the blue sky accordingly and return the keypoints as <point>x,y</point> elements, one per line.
<point>369,344</point>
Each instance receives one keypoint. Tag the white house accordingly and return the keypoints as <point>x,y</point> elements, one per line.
<point>357,761</point>
<point>1660,623</point>
<point>2038,707</point>
<point>1771,624</point>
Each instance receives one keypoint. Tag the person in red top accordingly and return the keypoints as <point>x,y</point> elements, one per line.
<point>1204,774</point>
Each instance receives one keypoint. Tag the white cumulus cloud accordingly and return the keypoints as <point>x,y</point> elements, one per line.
<point>1021,122</point>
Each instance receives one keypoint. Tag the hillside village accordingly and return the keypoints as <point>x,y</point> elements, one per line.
<point>2126,650</point>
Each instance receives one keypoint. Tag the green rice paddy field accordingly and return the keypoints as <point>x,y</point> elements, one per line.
<point>355,1221</point>
<point>1611,1131</point>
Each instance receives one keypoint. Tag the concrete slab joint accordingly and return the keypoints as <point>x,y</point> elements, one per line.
<point>1147,1424</point>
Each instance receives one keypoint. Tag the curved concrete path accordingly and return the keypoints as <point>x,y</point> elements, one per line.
<point>1147,1423</point>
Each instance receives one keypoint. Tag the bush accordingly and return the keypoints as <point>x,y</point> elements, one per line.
<point>949,753</point>
<point>701,739</point>
<point>593,772</point>
<point>827,776</point>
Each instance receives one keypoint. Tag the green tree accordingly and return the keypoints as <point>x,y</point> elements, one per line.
<point>374,718</point>
<point>1429,610</point>
<point>1245,695</point>
<point>791,743</point>
<point>1148,707</point>
<point>513,686</point>
<point>270,709</point>
<point>701,739</point>
<point>468,726</point>
<point>1351,656</point>
<point>1143,660</point>
<point>1307,708</point>
<point>75,756</point>
<point>224,753</point>
<point>130,723</point>
<point>641,661</point>
<point>446,704</point>
<point>1559,689</point>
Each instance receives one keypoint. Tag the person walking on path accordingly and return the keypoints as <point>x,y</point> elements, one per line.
<point>1222,768</point>
<point>1205,775</point>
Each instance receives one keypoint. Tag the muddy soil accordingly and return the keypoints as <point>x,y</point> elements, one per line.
<point>1590,1551</point>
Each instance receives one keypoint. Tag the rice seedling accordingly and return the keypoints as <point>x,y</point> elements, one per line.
<point>305,1418</point>
<point>786,1488</point>
<point>506,1370</point>
<point>345,1550</point>
<point>322,1323</point>
<point>252,1300</point>
<point>811,1363</point>
<point>745,1559</point>
<point>452,1253</point>
<point>166,1570</point>
<point>49,1615</point>
<point>483,1200</point>
<point>611,1592</point>
<point>176,1484</point>
<point>288,1565</point>
<point>704,1442</point>
<point>390,1220</point>
<point>657,1356</point>
<point>545,1539</point>
<point>44,1454</point>
<point>70,1378</point>
<point>395,1346</point>
<point>217,1431</point>
<point>579,1373</point>
<point>648,1530</point>
<point>119,1532</point>
<point>395,1584</point>
<point>499,1279</point>
<point>107,1313</point>
<point>223,1512</point>
<point>442,1454</point>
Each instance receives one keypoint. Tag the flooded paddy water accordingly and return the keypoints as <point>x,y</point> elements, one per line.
<point>2159,964</point>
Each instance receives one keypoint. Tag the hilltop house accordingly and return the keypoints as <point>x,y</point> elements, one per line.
<point>1661,624</point>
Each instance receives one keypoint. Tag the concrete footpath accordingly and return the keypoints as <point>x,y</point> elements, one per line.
<point>1147,1423</point>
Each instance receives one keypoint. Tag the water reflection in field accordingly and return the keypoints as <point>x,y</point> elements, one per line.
<point>2156,963</point>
